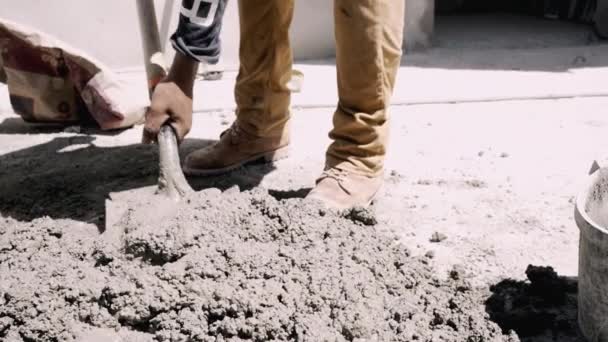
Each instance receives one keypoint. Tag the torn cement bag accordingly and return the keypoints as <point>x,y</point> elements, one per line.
<point>50,81</point>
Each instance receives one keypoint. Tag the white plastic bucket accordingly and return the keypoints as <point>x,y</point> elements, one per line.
<point>591,215</point>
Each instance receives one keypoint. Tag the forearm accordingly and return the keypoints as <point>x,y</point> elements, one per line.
<point>183,73</point>
<point>197,39</point>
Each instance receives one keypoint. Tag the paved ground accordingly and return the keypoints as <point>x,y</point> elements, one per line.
<point>497,178</point>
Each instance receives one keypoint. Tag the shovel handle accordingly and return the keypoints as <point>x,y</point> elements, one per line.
<point>171,180</point>
<point>156,68</point>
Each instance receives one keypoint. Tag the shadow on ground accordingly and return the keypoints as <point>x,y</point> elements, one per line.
<point>16,125</point>
<point>541,309</point>
<point>71,177</point>
<point>506,41</point>
<point>495,40</point>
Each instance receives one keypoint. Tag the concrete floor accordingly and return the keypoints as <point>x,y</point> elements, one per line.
<point>499,179</point>
<point>476,58</point>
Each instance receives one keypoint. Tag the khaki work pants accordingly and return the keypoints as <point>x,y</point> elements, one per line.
<point>369,36</point>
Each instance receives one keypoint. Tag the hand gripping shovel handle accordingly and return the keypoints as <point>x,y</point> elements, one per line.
<point>171,180</point>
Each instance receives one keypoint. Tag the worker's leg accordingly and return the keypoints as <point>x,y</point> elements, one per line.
<point>261,90</point>
<point>261,93</point>
<point>369,37</point>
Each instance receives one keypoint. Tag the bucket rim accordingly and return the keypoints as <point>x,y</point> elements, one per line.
<point>583,195</point>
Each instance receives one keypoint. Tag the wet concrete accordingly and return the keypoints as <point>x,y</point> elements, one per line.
<point>229,267</point>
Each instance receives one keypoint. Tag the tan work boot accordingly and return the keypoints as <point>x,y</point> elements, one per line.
<point>340,189</point>
<point>236,148</point>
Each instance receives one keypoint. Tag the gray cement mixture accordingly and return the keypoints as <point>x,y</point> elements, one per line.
<point>229,267</point>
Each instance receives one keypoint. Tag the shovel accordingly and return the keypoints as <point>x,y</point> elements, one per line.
<point>171,180</point>
<point>148,204</point>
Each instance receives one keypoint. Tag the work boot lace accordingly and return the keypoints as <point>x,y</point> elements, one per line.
<point>234,131</point>
<point>337,174</point>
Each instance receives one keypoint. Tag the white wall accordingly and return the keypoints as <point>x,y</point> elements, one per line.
<point>313,32</point>
<point>109,31</point>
